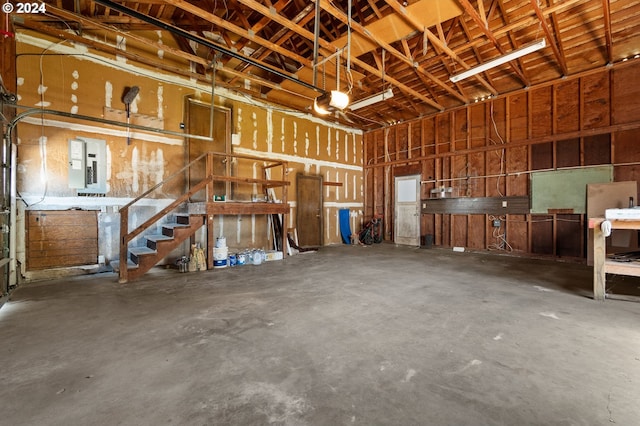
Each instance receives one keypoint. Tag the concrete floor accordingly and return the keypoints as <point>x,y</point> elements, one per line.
<point>378,335</point>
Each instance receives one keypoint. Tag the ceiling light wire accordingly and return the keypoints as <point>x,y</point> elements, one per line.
<point>348,63</point>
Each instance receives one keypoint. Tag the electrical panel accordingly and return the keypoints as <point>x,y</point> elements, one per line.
<point>88,166</point>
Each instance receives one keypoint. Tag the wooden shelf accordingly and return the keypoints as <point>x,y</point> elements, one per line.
<point>622,268</point>
<point>239,207</point>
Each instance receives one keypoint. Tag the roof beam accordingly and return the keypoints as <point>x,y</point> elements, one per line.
<point>606,12</point>
<point>326,5</point>
<point>491,36</point>
<point>332,48</point>
<point>552,40</point>
<point>527,81</point>
<point>436,41</point>
<point>212,18</point>
<point>281,36</point>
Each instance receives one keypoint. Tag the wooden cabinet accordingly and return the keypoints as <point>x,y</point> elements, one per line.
<point>61,238</point>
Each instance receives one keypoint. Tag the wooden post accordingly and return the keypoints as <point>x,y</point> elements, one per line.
<point>210,237</point>
<point>599,256</point>
<point>124,246</point>
<point>209,172</point>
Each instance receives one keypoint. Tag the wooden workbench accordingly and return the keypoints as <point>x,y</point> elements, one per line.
<point>603,266</point>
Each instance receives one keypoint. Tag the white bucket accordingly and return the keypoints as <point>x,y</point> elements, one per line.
<point>221,242</point>
<point>220,253</point>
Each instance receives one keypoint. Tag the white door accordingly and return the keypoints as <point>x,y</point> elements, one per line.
<point>407,210</point>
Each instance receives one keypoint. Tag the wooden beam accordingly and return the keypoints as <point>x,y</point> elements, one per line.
<point>551,39</point>
<point>279,37</point>
<point>521,23</point>
<point>491,36</point>
<point>476,52</point>
<point>212,18</point>
<point>438,42</point>
<point>606,16</point>
<point>482,14</point>
<point>328,7</point>
<point>514,42</point>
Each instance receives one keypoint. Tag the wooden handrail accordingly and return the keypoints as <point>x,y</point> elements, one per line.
<point>156,217</point>
<point>218,178</point>
<point>158,185</point>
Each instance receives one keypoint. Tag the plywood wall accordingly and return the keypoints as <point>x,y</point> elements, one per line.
<point>83,84</point>
<point>488,149</point>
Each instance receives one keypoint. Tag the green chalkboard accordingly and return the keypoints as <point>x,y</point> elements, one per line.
<point>565,189</point>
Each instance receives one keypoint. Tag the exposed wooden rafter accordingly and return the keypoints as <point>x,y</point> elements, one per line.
<point>559,54</point>
<point>274,41</point>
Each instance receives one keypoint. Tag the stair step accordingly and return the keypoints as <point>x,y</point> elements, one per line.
<point>153,240</point>
<point>136,252</point>
<point>115,265</point>
<point>141,250</point>
<point>167,228</point>
<point>175,225</point>
<point>182,218</point>
<point>159,246</point>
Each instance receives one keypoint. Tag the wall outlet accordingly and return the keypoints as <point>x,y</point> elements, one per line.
<point>504,204</point>
<point>496,223</point>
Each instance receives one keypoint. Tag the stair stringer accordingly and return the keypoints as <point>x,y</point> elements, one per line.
<point>179,233</point>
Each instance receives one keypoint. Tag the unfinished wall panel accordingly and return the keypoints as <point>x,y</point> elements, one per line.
<point>443,133</point>
<point>518,118</point>
<point>460,130</point>
<point>476,231</point>
<point>542,156</point>
<point>597,150</point>
<point>478,125</point>
<point>627,153</point>
<point>496,124</point>
<point>596,100</point>
<point>415,139</point>
<point>625,96</point>
<point>93,84</point>
<point>567,118</point>
<point>569,235</point>
<point>402,141</point>
<point>541,111</point>
<point>57,239</point>
<point>428,142</point>
<point>516,232</point>
<point>474,185</point>
<point>517,183</point>
<point>459,230</point>
<point>490,149</point>
<point>542,241</point>
<point>568,153</point>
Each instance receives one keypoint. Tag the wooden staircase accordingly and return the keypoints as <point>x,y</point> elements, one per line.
<point>141,259</point>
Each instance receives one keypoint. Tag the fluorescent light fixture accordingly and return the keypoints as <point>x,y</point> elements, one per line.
<point>330,101</point>
<point>524,50</point>
<point>387,94</point>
